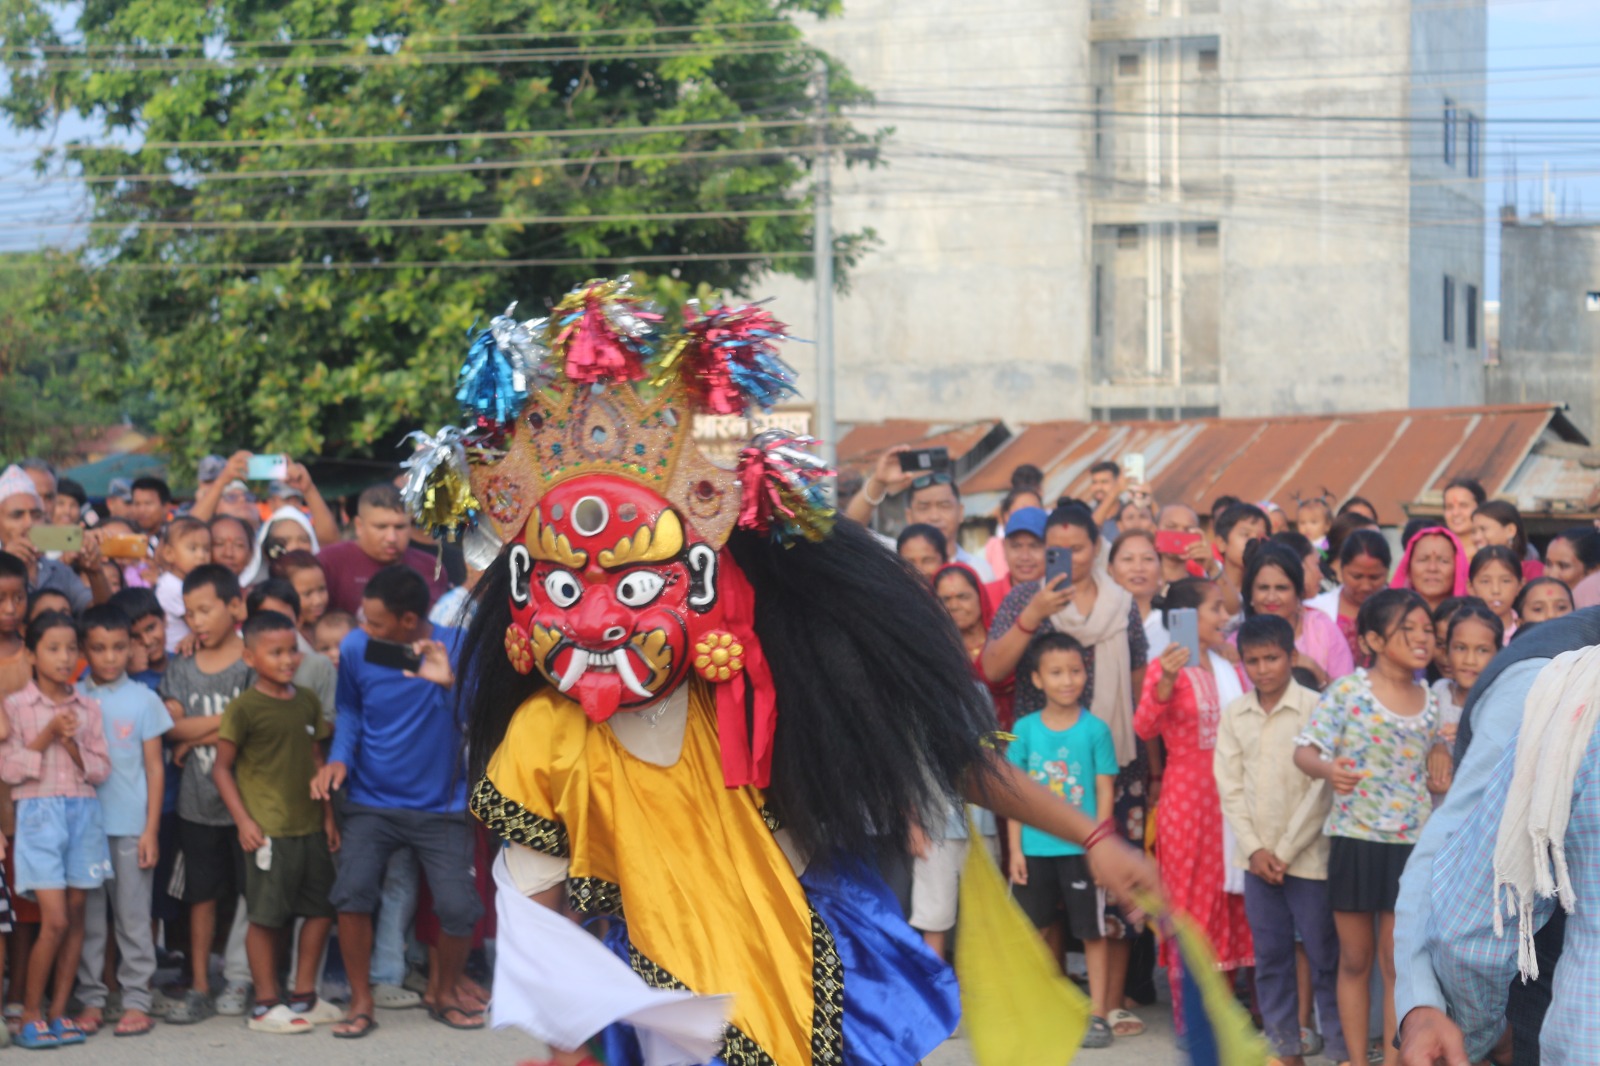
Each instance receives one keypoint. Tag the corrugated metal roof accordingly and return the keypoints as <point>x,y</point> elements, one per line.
<point>1397,459</point>
<point>860,447</point>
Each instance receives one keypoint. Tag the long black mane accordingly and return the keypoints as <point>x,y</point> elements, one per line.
<point>879,715</point>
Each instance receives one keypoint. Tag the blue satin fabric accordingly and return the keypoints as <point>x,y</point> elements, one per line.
<point>900,999</point>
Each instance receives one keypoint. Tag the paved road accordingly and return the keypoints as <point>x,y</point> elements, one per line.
<point>408,1038</point>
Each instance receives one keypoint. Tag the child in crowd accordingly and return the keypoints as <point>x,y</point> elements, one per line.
<point>1439,667</point>
<point>1370,735</point>
<point>1070,752</point>
<point>1498,523</point>
<point>55,755</point>
<point>1313,518</point>
<point>148,633</point>
<point>197,690</point>
<point>267,753</point>
<point>185,545</point>
<point>14,670</point>
<point>134,721</point>
<point>317,674</point>
<point>330,630</point>
<point>1235,529</point>
<point>1276,813</point>
<point>1181,705</point>
<point>1495,577</point>
<point>1473,635</point>
<point>1540,600</point>
<point>48,601</point>
<point>302,570</point>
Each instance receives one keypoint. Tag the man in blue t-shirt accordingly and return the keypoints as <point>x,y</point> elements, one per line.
<point>1069,751</point>
<point>396,746</point>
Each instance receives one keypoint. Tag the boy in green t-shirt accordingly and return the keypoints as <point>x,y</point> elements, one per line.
<point>267,754</point>
<point>1070,752</point>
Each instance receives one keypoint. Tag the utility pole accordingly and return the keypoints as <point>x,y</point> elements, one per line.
<point>822,270</point>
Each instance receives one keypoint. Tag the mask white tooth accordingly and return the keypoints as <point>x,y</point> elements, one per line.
<point>624,666</point>
<point>575,669</point>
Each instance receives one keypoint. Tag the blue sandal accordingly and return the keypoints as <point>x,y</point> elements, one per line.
<point>66,1031</point>
<point>36,1036</point>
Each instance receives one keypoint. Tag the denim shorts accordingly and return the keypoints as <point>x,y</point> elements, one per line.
<point>61,843</point>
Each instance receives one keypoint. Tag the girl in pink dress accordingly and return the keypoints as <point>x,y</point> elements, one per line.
<point>1181,706</point>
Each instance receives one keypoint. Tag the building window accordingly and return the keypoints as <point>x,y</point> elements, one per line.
<point>1099,290</point>
<point>1449,309</point>
<point>1450,119</point>
<point>1099,123</point>
<point>1206,236</point>
<point>1474,147</point>
<point>1128,65</point>
<point>1591,301</point>
<point>1209,60</point>
<point>1472,317</point>
<point>1127,236</point>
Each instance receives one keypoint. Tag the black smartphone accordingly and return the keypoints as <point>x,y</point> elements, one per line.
<point>1057,562</point>
<point>396,656</point>
<point>924,460</point>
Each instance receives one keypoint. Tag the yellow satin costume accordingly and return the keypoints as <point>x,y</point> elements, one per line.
<point>710,900</point>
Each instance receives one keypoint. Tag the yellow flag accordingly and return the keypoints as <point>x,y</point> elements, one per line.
<point>1016,1005</point>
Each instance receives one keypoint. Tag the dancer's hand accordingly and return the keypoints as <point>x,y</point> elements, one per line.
<point>1126,873</point>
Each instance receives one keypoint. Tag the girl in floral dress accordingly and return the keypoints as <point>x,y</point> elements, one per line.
<point>1370,735</point>
<point>1182,706</point>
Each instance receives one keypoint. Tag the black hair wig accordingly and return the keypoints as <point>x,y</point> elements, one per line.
<point>866,663</point>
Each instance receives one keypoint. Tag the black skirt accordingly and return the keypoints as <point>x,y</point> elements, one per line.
<point>1363,875</point>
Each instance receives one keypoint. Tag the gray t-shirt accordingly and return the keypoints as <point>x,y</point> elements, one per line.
<point>200,693</point>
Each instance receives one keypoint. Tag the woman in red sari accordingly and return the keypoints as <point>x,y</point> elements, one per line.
<point>971,607</point>
<point>1181,706</point>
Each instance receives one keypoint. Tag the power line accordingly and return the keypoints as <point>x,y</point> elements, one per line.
<point>446,264</point>
<point>407,223</point>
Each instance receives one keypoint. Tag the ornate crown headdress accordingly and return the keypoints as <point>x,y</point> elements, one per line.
<point>599,386</point>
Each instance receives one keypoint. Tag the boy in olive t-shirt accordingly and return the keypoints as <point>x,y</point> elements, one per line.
<point>267,754</point>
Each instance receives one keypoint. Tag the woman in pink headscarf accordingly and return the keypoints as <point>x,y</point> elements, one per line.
<point>1435,565</point>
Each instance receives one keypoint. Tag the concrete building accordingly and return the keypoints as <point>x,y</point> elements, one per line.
<point>1126,209</point>
<point>1549,317</point>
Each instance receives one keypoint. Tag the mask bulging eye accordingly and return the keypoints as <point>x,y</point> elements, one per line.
<point>639,588</point>
<point>562,588</point>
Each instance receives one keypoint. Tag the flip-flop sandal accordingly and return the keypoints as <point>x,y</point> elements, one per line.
<point>132,1026</point>
<point>89,1026</point>
<point>36,1036</point>
<point>366,1021</point>
<point>1125,1023</point>
<point>443,1017</point>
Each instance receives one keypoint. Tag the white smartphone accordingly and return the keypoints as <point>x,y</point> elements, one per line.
<point>267,467</point>
<point>1133,467</point>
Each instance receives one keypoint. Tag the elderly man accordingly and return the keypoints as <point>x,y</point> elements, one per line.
<point>1488,730</point>
<point>22,508</point>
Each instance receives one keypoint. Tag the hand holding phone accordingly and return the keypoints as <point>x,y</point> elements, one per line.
<point>1057,563</point>
<point>1133,467</point>
<point>127,546</point>
<point>267,467</point>
<point>393,655</point>
<point>1175,542</point>
<point>1184,626</point>
<point>924,460</point>
<point>62,539</point>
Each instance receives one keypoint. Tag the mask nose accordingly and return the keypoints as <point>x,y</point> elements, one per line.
<point>599,622</point>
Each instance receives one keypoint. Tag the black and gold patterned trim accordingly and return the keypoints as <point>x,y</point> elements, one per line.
<point>827,1015</point>
<point>827,992</point>
<point>769,816</point>
<point>512,821</point>
<point>594,896</point>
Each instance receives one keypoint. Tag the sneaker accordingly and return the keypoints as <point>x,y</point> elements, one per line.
<point>192,1008</point>
<point>280,1020</point>
<point>393,997</point>
<point>1099,1034</point>
<point>234,1000</point>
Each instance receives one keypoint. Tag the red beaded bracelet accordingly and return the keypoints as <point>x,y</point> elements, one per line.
<point>1025,629</point>
<point>1101,832</point>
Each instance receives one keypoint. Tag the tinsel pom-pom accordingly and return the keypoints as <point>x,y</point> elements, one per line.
<point>729,358</point>
<point>438,489</point>
<point>600,331</point>
<point>783,488</point>
<point>504,362</point>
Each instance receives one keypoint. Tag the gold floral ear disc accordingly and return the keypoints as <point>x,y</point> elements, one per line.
<point>518,649</point>
<point>718,656</point>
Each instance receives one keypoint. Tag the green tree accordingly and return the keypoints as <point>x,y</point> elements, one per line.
<point>312,201</point>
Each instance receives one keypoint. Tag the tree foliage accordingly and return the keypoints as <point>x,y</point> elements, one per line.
<point>319,305</point>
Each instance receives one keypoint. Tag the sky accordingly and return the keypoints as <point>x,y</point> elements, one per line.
<point>1560,38</point>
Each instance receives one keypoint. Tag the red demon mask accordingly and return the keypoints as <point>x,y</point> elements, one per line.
<point>609,594</point>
